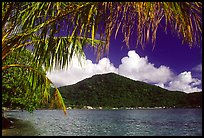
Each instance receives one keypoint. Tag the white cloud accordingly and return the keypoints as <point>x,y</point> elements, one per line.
<point>185,82</point>
<point>160,85</point>
<point>77,72</point>
<point>132,66</point>
<point>138,68</point>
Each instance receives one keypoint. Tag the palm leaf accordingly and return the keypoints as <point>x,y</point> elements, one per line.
<point>35,76</point>
<point>42,28</point>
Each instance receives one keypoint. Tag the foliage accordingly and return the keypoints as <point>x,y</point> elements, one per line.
<point>38,29</point>
<point>111,90</point>
<point>81,20</point>
<point>17,89</point>
<point>58,30</point>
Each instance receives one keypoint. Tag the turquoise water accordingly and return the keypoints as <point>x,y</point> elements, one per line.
<point>81,122</point>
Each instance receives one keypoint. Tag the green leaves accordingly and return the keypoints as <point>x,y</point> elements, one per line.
<point>29,83</point>
<point>59,30</point>
<point>21,86</point>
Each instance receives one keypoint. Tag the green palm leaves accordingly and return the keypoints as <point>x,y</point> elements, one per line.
<point>58,30</point>
<point>81,20</point>
<point>144,18</point>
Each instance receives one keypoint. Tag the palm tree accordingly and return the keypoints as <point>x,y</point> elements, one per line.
<point>57,31</point>
<point>14,80</point>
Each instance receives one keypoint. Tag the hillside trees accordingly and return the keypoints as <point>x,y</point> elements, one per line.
<point>58,30</point>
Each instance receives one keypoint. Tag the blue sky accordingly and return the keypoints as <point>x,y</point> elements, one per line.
<point>170,65</point>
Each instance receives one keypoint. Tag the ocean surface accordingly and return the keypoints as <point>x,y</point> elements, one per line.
<point>84,122</point>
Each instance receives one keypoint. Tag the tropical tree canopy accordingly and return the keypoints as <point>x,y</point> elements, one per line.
<point>18,91</point>
<point>58,30</point>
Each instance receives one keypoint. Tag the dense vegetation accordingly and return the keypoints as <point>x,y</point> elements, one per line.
<point>15,94</point>
<point>112,90</point>
<point>58,30</point>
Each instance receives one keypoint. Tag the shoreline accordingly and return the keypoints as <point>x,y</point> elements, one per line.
<point>128,108</point>
<point>6,128</point>
<point>19,128</point>
<point>107,108</point>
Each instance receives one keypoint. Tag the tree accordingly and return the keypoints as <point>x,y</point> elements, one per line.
<point>14,80</point>
<point>57,31</point>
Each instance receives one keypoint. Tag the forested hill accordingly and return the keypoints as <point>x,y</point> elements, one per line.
<point>112,90</point>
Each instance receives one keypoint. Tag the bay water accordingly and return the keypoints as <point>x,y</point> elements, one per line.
<point>84,122</point>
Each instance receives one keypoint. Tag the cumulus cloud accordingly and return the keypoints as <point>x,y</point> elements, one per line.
<point>185,82</point>
<point>132,66</point>
<point>160,85</point>
<point>77,72</point>
<point>138,68</point>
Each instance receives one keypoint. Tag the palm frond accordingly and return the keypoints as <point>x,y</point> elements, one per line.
<point>38,79</point>
<point>59,30</point>
<point>184,19</point>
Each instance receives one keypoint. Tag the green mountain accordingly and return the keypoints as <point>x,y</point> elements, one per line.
<point>115,91</point>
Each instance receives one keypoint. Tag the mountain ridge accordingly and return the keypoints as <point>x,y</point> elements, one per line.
<point>112,90</point>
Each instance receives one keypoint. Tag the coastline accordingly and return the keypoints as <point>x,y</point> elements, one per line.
<point>128,108</point>
<point>20,128</point>
<point>7,128</point>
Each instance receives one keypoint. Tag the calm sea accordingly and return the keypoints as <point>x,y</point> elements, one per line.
<point>143,122</point>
